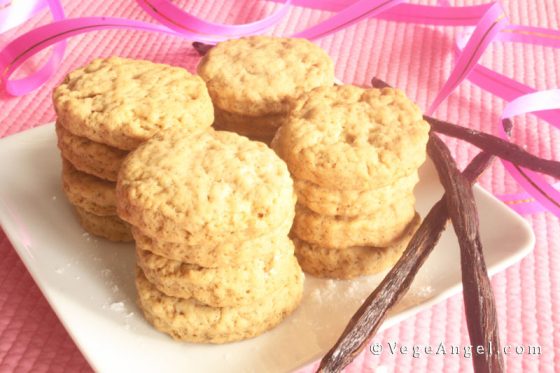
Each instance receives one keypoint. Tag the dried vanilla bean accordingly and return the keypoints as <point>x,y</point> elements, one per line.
<point>369,317</point>
<point>497,146</point>
<point>477,290</point>
<point>378,83</point>
<point>201,48</point>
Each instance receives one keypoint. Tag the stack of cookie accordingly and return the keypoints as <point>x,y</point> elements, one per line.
<point>211,215</point>
<point>354,154</point>
<point>108,108</point>
<point>253,80</point>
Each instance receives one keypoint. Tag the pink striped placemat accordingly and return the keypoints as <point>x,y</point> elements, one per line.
<point>414,58</point>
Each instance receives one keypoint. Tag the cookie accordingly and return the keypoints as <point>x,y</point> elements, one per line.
<point>352,262</point>
<point>347,137</point>
<point>88,156</point>
<point>189,320</point>
<point>260,75</point>
<point>212,187</point>
<point>123,102</point>
<point>92,194</point>
<point>348,202</point>
<point>221,286</point>
<point>211,255</point>
<point>110,227</point>
<point>379,229</point>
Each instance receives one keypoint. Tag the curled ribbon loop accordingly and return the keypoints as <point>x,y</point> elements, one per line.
<point>8,64</point>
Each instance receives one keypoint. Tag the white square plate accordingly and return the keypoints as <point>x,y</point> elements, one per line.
<point>89,281</point>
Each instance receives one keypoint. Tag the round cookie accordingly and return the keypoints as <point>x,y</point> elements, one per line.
<point>123,102</point>
<point>94,195</point>
<point>222,286</point>
<point>348,202</point>
<point>351,262</point>
<point>88,156</point>
<point>211,255</point>
<point>260,75</point>
<point>110,227</point>
<point>189,320</point>
<point>380,229</point>
<point>347,137</point>
<point>214,186</point>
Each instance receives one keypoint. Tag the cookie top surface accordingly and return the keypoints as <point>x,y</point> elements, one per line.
<point>347,137</point>
<point>260,75</point>
<point>209,187</point>
<point>122,102</point>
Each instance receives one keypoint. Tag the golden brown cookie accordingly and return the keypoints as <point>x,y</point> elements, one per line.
<point>347,137</point>
<point>348,202</point>
<point>351,262</point>
<point>215,186</point>
<point>211,255</point>
<point>123,102</point>
<point>88,156</point>
<point>189,320</point>
<point>110,227</point>
<point>88,192</point>
<point>222,286</point>
<point>379,229</point>
<point>260,75</point>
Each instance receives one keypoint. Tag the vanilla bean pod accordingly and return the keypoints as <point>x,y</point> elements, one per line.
<point>497,146</point>
<point>201,48</point>
<point>478,297</point>
<point>369,317</point>
<point>378,83</point>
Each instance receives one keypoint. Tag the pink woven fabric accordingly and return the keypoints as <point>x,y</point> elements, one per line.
<point>414,58</point>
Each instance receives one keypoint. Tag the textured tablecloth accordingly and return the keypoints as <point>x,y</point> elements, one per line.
<point>414,58</point>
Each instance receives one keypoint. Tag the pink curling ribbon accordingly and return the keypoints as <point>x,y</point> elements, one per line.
<point>523,99</point>
<point>491,23</point>
<point>39,77</point>
<point>176,19</point>
<point>489,20</point>
<point>524,203</point>
<point>531,181</point>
